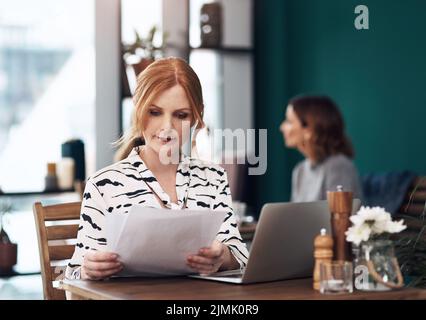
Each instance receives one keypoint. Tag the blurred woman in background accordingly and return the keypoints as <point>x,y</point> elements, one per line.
<point>314,126</point>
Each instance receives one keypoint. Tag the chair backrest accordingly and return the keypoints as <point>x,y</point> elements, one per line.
<point>52,242</point>
<point>413,210</point>
<point>415,198</point>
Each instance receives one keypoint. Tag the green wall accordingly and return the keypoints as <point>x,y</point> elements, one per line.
<point>377,76</point>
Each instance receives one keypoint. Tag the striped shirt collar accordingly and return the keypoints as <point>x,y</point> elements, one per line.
<point>182,179</point>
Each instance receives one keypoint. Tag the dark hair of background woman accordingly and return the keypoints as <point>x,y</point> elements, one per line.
<point>322,116</point>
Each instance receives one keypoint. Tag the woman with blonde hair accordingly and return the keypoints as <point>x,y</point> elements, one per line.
<point>154,172</point>
<point>315,127</point>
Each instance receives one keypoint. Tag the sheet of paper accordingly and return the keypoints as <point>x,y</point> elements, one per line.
<point>156,242</point>
<point>114,226</point>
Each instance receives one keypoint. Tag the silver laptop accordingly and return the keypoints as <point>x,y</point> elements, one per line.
<point>282,247</point>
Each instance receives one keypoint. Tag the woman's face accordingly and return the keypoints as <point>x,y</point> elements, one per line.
<point>168,120</point>
<point>293,131</point>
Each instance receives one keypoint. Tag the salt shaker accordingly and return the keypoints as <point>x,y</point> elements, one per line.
<point>323,252</point>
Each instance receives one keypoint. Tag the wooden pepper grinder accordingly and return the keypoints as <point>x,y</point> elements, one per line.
<point>340,204</point>
<point>323,252</point>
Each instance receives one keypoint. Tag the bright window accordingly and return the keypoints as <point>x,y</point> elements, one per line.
<point>47,86</point>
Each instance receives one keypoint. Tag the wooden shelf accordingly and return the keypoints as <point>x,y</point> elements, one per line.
<point>232,50</point>
<point>34,193</point>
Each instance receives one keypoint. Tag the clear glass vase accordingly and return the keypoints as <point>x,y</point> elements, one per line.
<point>376,266</point>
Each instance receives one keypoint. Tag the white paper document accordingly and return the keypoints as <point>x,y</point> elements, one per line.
<point>156,242</point>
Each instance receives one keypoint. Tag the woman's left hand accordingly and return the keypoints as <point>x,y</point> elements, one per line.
<point>209,260</point>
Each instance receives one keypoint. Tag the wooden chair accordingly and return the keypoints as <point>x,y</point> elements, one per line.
<point>53,256</point>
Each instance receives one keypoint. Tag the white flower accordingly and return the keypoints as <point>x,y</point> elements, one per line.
<point>395,226</point>
<point>358,233</point>
<point>376,218</point>
<point>370,222</point>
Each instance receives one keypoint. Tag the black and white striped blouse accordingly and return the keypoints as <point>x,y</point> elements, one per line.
<point>114,189</point>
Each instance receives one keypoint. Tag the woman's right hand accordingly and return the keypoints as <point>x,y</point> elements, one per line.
<point>99,265</point>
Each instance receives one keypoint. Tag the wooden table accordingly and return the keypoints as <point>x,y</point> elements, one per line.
<point>182,288</point>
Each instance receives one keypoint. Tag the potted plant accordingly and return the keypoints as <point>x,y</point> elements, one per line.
<point>143,51</point>
<point>8,250</point>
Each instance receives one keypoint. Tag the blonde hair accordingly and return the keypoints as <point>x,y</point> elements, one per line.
<point>158,77</point>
